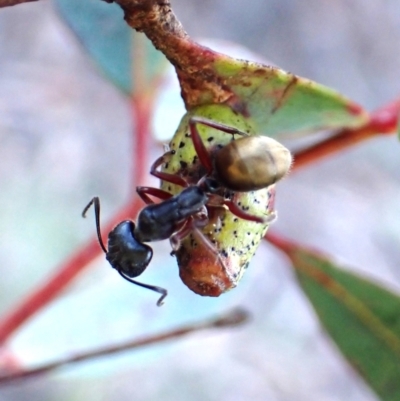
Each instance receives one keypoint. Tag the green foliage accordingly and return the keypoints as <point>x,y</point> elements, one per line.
<point>236,239</point>
<point>361,317</point>
<point>109,41</point>
<point>277,101</point>
<point>280,102</point>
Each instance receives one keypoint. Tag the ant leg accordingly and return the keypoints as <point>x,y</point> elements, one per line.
<point>191,227</point>
<point>219,126</point>
<point>202,152</point>
<point>199,220</point>
<point>144,193</point>
<point>172,178</point>
<point>198,144</point>
<point>218,201</point>
<point>96,202</point>
<point>176,238</point>
<point>160,290</point>
<point>237,211</point>
<point>209,245</point>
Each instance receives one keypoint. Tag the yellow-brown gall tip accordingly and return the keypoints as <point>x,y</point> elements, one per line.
<point>281,157</point>
<point>203,273</point>
<point>252,163</point>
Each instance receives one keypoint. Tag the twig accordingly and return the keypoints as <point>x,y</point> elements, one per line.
<point>141,108</point>
<point>63,276</point>
<point>193,63</point>
<point>382,121</point>
<point>155,18</point>
<point>8,3</point>
<point>229,319</point>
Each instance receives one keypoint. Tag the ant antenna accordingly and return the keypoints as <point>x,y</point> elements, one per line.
<point>96,202</point>
<point>160,290</point>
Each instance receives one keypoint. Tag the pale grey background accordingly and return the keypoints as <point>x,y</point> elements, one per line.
<point>65,136</point>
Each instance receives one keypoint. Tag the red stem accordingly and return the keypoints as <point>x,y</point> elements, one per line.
<point>63,276</point>
<point>382,121</point>
<point>229,319</point>
<point>279,242</point>
<point>7,3</point>
<point>141,109</point>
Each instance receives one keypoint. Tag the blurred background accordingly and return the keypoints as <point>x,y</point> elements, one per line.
<point>65,135</point>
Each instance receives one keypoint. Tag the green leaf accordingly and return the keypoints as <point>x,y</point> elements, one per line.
<point>101,29</point>
<point>280,102</point>
<point>362,317</point>
<point>277,102</point>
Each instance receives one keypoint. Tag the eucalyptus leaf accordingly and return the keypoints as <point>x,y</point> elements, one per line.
<point>282,103</point>
<point>361,316</point>
<point>110,42</point>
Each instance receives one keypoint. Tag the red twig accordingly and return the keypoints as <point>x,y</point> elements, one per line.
<point>233,318</point>
<point>7,3</point>
<point>141,111</point>
<point>279,242</point>
<point>141,108</point>
<point>63,276</point>
<point>382,121</point>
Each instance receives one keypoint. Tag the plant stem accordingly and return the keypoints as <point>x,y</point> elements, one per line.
<point>8,3</point>
<point>382,121</point>
<point>44,294</point>
<point>65,273</point>
<point>229,319</point>
<point>141,113</point>
<point>157,20</point>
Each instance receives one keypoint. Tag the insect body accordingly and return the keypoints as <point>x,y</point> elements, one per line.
<point>168,219</point>
<point>233,234</point>
<point>125,253</point>
<point>172,218</point>
<point>213,229</point>
<point>251,163</point>
<point>161,220</point>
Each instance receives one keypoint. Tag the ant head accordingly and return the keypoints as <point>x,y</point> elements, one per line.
<point>209,184</point>
<point>125,253</point>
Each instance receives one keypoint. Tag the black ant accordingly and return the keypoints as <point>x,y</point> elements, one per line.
<point>247,164</point>
<point>125,253</point>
